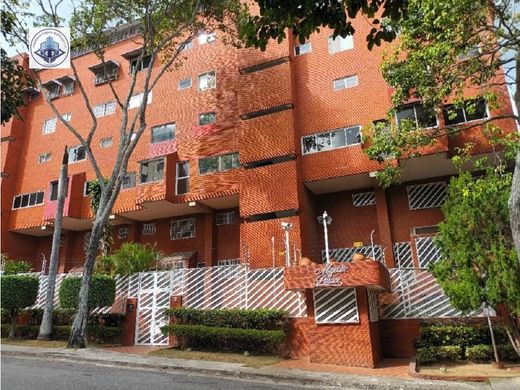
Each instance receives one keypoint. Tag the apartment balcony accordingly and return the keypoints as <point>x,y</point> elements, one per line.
<point>269,189</point>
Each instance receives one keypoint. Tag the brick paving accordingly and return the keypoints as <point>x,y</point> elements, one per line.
<point>397,368</point>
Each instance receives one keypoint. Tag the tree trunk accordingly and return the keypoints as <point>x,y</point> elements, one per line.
<point>13,324</point>
<point>514,206</point>
<point>45,332</point>
<point>497,359</point>
<point>78,336</point>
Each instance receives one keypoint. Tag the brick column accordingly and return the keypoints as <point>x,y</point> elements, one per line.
<point>175,303</point>
<point>209,239</point>
<point>383,223</point>
<point>128,326</point>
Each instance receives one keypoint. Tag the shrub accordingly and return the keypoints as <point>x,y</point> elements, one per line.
<point>226,339</point>
<point>106,319</point>
<point>261,319</point>
<point>102,292</point>
<point>17,292</point>
<point>131,258</point>
<point>507,352</point>
<point>451,353</point>
<point>61,316</point>
<point>12,267</point>
<point>463,335</point>
<point>479,352</point>
<point>61,332</point>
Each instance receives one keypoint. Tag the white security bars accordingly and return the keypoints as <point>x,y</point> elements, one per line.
<point>345,254</point>
<point>362,199</point>
<point>335,306</point>
<point>426,196</point>
<point>427,251</point>
<point>403,255</point>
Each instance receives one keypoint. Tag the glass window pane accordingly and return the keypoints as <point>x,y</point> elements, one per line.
<point>453,115</point>
<point>353,135</point>
<point>476,110</point>
<point>323,141</point>
<point>25,200</point>
<point>182,186</point>
<point>39,198</point>
<point>226,162</point>
<point>183,169</point>
<point>17,202</point>
<point>406,113</point>
<point>337,139</point>
<point>424,118</point>
<point>309,144</point>
<point>32,199</point>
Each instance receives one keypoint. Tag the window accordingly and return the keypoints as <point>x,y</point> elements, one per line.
<point>472,110</point>
<point>49,126</point>
<point>433,229</point>
<point>426,196</point>
<point>54,190</point>
<point>303,48</point>
<point>362,199</point>
<point>105,142</point>
<point>186,46</point>
<point>163,133</point>
<point>104,109</point>
<point>149,229</point>
<point>218,163</point>
<point>122,234</point>
<point>340,44</point>
<point>136,100</point>
<point>44,157</point>
<point>417,115</point>
<point>53,89</point>
<point>77,153</point>
<point>228,262</point>
<point>138,65</point>
<point>67,117</point>
<point>207,118</point>
<point>128,181</point>
<point>28,200</point>
<point>68,87</point>
<point>206,38</point>
<point>86,188</point>
<point>345,82</point>
<point>184,83</point>
<point>227,218</point>
<point>207,81</point>
<point>106,72</point>
<point>183,178</point>
<point>329,140</point>
<point>152,170</point>
<point>182,229</point>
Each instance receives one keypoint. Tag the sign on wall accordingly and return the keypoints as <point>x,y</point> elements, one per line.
<point>49,48</point>
<point>329,276</point>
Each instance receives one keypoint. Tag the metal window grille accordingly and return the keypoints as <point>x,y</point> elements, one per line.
<point>149,229</point>
<point>122,233</point>
<point>335,305</point>
<point>229,262</point>
<point>403,254</point>
<point>227,218</point>
<point>427,251</point>
<point>49,126</point>
<point>373,305</point>
<point>345,254</point>
<point>182,229</point>
<point>426,196</point>
<point>364,199</point>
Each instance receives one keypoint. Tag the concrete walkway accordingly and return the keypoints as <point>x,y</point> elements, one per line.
<point>269,373</point>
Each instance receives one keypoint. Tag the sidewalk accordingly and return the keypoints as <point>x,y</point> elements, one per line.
<point>270,373</point>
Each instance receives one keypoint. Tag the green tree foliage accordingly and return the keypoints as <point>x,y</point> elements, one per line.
<point>479,264</point>
<point>12,267</point>
<point>102,292</point>
<point>15,78</point>
<point>304,18</point>
<point>132,257</point>
<point>17,293</point>
<point>106,240</point>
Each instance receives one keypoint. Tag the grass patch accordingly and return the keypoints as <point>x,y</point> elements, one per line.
<point>36,343</point>
<point>248,361</point>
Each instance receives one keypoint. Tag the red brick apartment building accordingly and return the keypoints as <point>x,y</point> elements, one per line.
<point>238,141</point>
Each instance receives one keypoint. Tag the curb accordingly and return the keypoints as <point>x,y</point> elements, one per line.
<point>350,381</point>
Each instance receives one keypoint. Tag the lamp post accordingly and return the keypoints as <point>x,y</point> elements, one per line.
<point>325,220</point>
<point>286,226</point>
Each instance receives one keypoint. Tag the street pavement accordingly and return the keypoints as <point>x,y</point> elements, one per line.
<point>23,373</point>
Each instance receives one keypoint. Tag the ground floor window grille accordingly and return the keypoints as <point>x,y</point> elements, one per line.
<point>427,251</point>
<point>364,199</point>
<point>335,305</point>
<point>228,262</point>
<point>123,233</point>
<point>182,229</point>
<point>149,229</point>
<point>426,196</point>
<point>403,255</point>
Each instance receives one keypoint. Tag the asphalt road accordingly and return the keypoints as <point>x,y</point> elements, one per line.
<point>27,374</point>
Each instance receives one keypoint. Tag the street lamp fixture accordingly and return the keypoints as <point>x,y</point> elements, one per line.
<point>286,226</point>
<point>325,220</point>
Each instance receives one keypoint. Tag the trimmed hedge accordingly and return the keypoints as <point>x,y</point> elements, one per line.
<point>12,267</point>
<point>95,334</point>
<point>463,335</point>
<point>485,352</point>
<point>261,319</point>
<point>226,339</point>
<point>102,292</point>
<point>18,291</point>
<point>451,353</point>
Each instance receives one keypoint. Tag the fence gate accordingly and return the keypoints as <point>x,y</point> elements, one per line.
<point>153,298</point>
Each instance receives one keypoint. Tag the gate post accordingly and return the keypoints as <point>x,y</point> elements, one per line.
<point>128,327</point>
<point>175,303</point>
